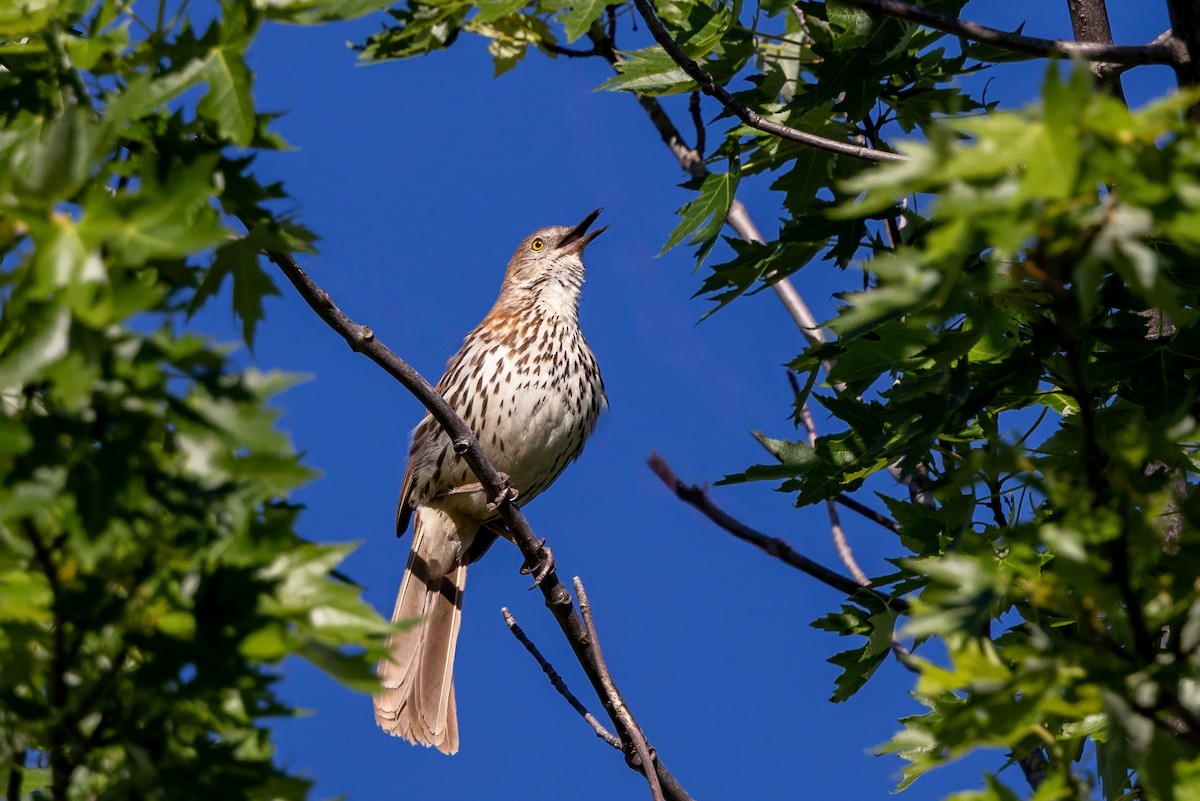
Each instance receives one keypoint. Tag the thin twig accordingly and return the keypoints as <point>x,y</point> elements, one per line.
<point>559,50</point>
<point>867,512</point>
<point>1169,52</point>
<point>835,522</point>
<point>842,498</point>
<point>710,87</point>
<point>698,497</point>
<point>557,681</point>
<point>615,702</point>
<point>691,161</point>
<point>697,122</point>
<point>361,339</point>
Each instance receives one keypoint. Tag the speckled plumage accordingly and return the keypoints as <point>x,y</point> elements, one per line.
<point>527,384</point>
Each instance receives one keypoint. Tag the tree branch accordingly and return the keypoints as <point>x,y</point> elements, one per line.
<point>559,50</point>
<point>868,512</point>
<point>835,523</point>
<point>557,681</point>
<point>1185,30</point>
<point>1090,23</point>
<point>613,700</point>
<point>697,496</point>
<point>361,339</point>
<point>691,161</point>
<point>1106,70</point>
<point>710,87</point>
<point>1166,52</point>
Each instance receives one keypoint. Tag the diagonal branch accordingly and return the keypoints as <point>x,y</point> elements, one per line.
<point>835,522</point>
<point>1169,51</point>
<point>696,496</point>
<point>613,700</point>
<point>557,681</point>
<point>361,339</point>
<point>710,87</point>
<point>691,161</point>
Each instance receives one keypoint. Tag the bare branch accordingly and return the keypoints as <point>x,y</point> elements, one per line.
<point>1185,30</point>
<point>1169,52</point>
<point>710,87</point>
<point>613,700</point>
<point>1090,23</point>
<point>691,161</point>
<point>835,522</point>
<point>867,512</point>
<point>1106,70</point>
<point>362,340</point>
<point>698,497</point>
<point>559,50</point>
<point>557,681</point>
<point>697,122</point>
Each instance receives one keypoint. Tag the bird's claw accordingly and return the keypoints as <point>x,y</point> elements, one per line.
<point>508,494</point>
<point>540,570</point>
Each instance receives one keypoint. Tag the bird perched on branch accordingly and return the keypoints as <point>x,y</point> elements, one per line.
<point>527,384</point>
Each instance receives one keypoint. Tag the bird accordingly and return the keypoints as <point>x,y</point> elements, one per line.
<point>526,383</point>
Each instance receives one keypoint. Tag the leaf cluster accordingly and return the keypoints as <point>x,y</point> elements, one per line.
<point>1021,353</point>
<point>1026,354</point>
<point>151,577</point>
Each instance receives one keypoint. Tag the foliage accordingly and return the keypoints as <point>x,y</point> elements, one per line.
<point>151,579</point>
<point>1022,349</point>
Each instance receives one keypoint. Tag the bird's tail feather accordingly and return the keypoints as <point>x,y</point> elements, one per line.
<point>416,701</point>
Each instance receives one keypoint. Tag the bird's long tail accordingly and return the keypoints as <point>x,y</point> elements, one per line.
<point>417,698</point>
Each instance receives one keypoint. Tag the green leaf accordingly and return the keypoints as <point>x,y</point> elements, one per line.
<point>648,72</point>
<point>44,342</point>
<point>312,12</point>
<point>703,216</point>
<point>580,16</point>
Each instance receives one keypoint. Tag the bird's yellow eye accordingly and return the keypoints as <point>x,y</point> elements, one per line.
<point>537,244</point>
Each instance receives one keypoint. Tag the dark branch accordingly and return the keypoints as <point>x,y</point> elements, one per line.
<point>698,497</point>
<point>1185,30</point>
<point>867,512</point>
<point>691,161</point>
<point>697,122</point>
<point>613,701</point>
<point>1106,70</point>
<point>1090,23</point>
<point>1168,52</point>
<point>557,681</point>
<point>362,340</point>
<point>710,87</point>
<point>559,50</point>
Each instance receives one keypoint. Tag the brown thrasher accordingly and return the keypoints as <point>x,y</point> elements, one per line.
<point>527,384</point>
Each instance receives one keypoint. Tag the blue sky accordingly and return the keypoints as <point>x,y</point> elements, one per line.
<point>421,176</point>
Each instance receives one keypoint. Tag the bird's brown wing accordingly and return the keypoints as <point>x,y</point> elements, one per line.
<point>424,433</point>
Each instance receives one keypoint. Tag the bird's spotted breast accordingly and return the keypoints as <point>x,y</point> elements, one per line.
<point>531,398</point>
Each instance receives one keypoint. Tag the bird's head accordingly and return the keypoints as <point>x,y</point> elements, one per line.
<point>549,261</point>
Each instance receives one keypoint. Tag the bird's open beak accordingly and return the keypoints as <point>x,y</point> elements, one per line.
<point>577,239</point>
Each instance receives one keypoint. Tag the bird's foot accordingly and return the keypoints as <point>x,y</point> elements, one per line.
<point>508,494</point>
<point>539,570</point>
